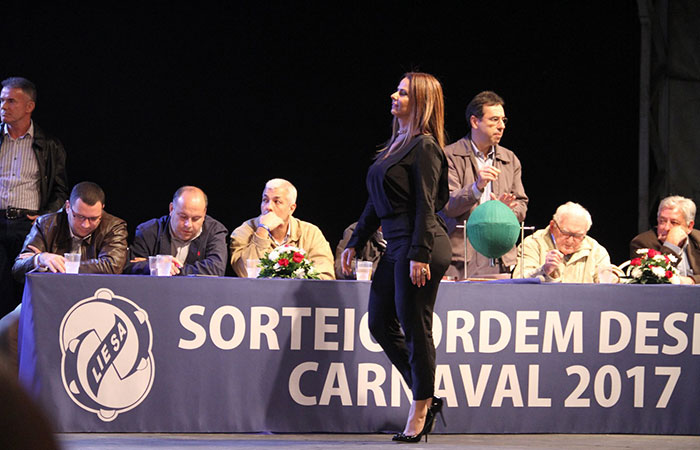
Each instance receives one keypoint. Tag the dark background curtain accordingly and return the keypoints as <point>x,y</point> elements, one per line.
<point>228,95</point>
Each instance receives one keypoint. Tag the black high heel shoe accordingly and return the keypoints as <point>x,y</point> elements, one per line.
<point>428,426</point>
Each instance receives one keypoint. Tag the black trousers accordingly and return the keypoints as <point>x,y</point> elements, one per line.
<point>12,235</point>
<point>401,314</point>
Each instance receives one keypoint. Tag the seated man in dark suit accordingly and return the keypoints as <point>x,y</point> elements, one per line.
<point>675,235</point>
<point>196,241</point>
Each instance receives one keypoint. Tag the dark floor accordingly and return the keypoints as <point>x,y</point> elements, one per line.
<point>89,441</point>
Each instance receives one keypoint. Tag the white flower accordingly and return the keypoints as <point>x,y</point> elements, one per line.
<point>274,254</point>
<point>660,258</point>
<point>672,258</point>
<point>299,273</point>
<point>642,251</point>
<point>277,266</point>
<point>637,272</point>
<point>658,271</point>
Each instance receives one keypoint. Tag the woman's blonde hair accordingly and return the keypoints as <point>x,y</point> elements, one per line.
<point>426,111</point>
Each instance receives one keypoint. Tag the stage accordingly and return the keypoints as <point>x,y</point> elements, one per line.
<point>144,441</point>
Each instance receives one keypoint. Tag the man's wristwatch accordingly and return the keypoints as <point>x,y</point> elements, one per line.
<point>266,228</point>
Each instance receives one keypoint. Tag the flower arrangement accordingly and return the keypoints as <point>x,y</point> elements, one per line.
<point>287,261</point>
<point>653,267</point>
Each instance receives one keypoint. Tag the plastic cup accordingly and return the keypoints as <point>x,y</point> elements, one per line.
<point>251,268</point>
<point>163,265</point>
<point>153,265</point>
<point>72,262</point>
<point>363,270</point>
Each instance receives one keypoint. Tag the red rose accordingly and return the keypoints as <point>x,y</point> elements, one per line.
<point>636,262</point>
<point>653,253</point>
<point>668,260</point>
<point>298,257</point>
<point>284,262</point>
<point>669,274</point>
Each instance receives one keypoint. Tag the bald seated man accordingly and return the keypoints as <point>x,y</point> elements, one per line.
<point>196,241</point>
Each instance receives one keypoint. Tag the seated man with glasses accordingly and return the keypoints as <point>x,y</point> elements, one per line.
<point>81,226</point>
<point>563,252</point>
<point>674,235</point>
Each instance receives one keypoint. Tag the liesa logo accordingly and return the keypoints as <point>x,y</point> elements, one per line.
<point>106,363</point>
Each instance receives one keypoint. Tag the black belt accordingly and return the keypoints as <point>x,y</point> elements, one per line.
<point>17,213</point>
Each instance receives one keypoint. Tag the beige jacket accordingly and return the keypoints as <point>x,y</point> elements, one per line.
<point>245,244</point>
<point>582,266</point>
<point>463,172</point>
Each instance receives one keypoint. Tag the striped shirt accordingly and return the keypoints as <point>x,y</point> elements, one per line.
<point>19,172</point>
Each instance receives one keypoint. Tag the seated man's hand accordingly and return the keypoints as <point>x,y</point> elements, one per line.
<point>676,236</point>
<point>135,260</point>
<point>487,174</point>
<point>175,267</point>
<point>687,280</point>
<point>53,262</point>
<point>507,198</point>
<point>346,260</point>
<point>271,221</point>
<point>552,262</point>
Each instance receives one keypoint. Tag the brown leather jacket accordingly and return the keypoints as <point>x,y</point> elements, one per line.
<point>103,252</point>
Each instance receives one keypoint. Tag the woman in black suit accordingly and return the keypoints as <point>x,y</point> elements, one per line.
<point>407,186</point>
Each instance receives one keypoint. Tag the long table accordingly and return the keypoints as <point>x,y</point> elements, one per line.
<point>195,354</point>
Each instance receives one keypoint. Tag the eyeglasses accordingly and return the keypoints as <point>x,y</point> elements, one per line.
<point>569,234</point>
<point>80,218</point>
<point>494,120</point>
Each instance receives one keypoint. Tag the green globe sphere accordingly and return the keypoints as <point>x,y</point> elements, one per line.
<point>493,229</point>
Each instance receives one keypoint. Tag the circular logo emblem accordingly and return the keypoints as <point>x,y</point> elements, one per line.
<point>106,360</point>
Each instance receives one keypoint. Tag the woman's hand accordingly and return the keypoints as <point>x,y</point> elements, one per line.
<point>419,273</point>
<point>346,260</point>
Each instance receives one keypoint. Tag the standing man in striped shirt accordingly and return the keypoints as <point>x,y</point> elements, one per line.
<point>32,178</point>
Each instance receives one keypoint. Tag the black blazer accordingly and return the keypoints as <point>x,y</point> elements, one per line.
<point>406,190</point>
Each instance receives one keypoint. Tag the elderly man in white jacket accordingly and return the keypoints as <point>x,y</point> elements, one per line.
<point>563,252</point>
